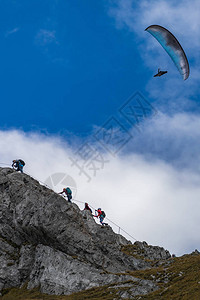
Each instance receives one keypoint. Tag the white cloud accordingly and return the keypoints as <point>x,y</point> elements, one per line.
<point>181,17</point>
<point>174,139</point>
<point>48,43</point>
<point>149,198</point>
<point>12,31</point>
<point>46,37</point>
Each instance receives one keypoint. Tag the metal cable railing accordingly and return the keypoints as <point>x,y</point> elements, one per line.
<point>75,200</point>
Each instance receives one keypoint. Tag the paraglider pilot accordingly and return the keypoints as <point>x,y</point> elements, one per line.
<point>160,73</point>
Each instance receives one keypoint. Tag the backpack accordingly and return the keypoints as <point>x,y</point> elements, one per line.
<point>69,192</point>
<point>103,213</point>
<point>22,162</point>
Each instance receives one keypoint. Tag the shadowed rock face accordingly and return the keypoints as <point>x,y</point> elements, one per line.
<point>51,244</point>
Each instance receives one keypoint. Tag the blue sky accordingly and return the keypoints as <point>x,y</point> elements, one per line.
<point>70,65</point>
<point>68,71</point>
<point>65,65</point>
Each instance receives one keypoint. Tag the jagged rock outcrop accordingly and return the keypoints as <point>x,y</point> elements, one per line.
<point>151,252</point>
<point>51,244</point>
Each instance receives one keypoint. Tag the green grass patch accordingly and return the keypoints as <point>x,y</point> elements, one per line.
<point>136,252</point>
<point>102,293</point>
<point>178,281</point>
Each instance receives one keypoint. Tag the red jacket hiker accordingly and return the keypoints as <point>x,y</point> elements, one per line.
<point>100,215</point>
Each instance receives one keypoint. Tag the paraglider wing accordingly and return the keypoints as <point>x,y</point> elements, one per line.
<point>172,47</point>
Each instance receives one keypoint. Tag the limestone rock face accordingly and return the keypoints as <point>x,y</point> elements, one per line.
<point>51,244</point>
<point>151,252</point>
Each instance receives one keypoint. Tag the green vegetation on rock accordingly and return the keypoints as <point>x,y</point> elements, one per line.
<point>179,280</point>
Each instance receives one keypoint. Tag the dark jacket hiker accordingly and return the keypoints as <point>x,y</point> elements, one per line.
<point>18,165</point>
<point>87,207</point>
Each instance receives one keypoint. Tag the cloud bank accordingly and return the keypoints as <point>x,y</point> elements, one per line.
<point>151,198</point>
<point>174,139</point>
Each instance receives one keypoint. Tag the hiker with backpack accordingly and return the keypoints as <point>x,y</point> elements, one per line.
<point>18,165</point>
<point>87,207</point>
<point>101,215</point>
<point>68,193</point>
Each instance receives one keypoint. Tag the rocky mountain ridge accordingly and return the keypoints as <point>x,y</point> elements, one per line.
<point>50,244</point>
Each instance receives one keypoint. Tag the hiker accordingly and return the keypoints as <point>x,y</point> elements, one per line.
<point>18,165</point>
<point>87,207</point>
<point>68,193</point>
<point>101,214</point>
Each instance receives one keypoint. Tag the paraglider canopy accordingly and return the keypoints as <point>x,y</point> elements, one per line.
<point>172,47</point>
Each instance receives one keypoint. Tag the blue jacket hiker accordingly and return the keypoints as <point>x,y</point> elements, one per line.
<point>18,165</point>
<point>67,191</point>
